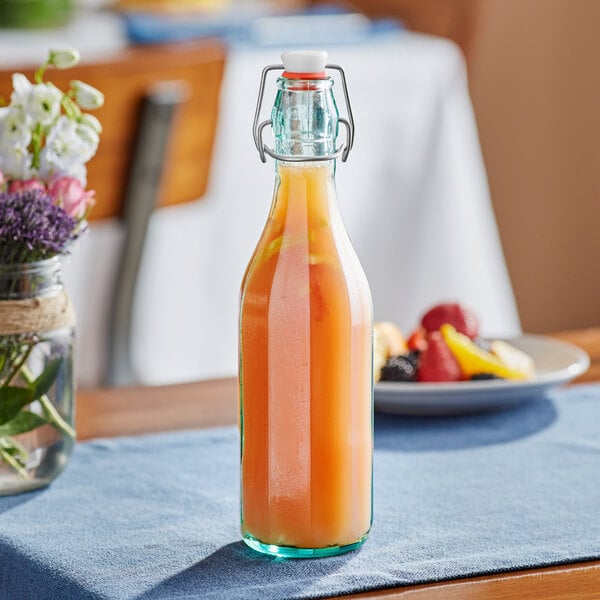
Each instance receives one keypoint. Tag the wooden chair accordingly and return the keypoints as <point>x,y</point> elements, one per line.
<point>159,122</point>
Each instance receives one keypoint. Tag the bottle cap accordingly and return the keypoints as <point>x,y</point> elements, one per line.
<point>304,62</point>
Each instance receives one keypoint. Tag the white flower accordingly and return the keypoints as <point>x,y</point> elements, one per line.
<point>49,170</point>
<point>15,163</point>
<point>79,172</point>
<point>91,121</point>
<point>44,103</point>
<point>86,96</point>
<point>89,135</point>
<point>14,130</point>
<point>64,59</point>
<point>21,88</point>
<point>40,102</point>
<point>65,143</point>
<point>69,145</point>
<point>43,133</point>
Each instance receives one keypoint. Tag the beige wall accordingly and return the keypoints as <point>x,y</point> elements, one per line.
<point>534,70</point>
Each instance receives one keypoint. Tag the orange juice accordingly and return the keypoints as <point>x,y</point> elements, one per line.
<point>305,375</point>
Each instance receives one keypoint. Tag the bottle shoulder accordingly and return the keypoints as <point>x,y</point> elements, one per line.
<point>314,261</point>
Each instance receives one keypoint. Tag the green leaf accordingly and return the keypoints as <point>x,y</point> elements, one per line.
<point>12,400</point>
<point>45,380</point>
<point>23,422</point>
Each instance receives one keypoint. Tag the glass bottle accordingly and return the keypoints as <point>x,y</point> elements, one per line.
<point>36,375</point>
<point>305,345</point>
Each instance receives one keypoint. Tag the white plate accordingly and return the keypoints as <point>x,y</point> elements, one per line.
<point>555,363</point>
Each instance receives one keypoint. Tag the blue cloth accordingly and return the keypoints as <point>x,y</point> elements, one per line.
<point>157,516</point>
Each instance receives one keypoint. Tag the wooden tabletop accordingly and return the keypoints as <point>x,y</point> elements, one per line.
<point>126,411</point>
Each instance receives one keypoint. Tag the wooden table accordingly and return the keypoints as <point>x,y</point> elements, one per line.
<point>126,411</point>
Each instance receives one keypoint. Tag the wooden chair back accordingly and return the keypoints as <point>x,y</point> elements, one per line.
<point>125,79</point>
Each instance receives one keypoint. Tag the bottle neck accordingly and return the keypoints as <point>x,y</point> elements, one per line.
<point>305,198</point>
<point>305,118</point>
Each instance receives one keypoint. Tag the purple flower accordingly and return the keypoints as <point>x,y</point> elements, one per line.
<point>32,227</point>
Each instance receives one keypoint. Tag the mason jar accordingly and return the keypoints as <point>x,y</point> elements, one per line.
<point>37,331</point>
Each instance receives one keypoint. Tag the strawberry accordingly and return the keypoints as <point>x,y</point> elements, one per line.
<point>416,341</point>
<point>457,315</point>
<point>437,363</point>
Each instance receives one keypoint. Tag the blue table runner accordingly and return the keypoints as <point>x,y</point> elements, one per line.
<point>156,516</point>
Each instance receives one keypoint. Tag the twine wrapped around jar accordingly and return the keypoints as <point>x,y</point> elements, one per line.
<point>40,313</point>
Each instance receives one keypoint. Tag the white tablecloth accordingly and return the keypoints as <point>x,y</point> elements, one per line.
<point>413,193</point>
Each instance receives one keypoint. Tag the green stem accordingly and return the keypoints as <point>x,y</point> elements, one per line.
<point>20,448</point>
<point>39,74</point>
<point>14,463</point>
<point>49,409</point>
<point>53,415</point>
<point>36,143</point>
<point>72,110</point>
<point>18,365</point>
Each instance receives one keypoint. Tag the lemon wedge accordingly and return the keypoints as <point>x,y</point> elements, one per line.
<point>513,358</point>
<point>473,359</point>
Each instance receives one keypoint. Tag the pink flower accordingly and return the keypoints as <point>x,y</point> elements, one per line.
<point>71,195</point>
<point>26,185</point>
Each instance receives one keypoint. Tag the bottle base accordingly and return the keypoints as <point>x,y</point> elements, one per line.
<point>294,552</point>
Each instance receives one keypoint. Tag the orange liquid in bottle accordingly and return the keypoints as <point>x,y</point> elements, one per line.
<point>306,373</point>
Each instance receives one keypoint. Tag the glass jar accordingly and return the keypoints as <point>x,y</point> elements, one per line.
<point>37,329</point>
<point>305,359</point>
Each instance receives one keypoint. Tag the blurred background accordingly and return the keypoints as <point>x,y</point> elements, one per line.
<point>533,88</point>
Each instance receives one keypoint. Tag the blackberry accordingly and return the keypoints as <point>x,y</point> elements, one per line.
<point>484,376</point>
<point>399,368</point>
<point>413,357</point>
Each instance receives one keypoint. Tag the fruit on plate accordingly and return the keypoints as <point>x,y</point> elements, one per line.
<point>400,368</point>
<point>388,340</point>
<point>474,360</point>
<point>444,348</point>
<point>437,363</point>
<point>513,358</point>
<point>417,340</point>
<point>484,377</point>
<point>464,320</point>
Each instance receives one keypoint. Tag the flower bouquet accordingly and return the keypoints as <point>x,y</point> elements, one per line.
<point>45,141</point>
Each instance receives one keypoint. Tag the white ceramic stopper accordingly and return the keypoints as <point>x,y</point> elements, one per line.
<point>304,61</point>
